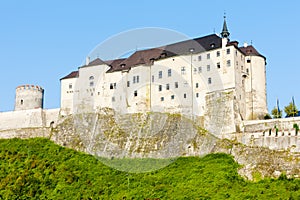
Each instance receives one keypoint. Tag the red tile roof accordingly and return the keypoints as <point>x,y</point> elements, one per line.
<point>251,51</point>
<point>73,74</point>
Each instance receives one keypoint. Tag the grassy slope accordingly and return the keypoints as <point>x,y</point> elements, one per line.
<point>37,168</point>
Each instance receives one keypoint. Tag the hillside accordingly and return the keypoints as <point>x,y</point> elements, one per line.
<point>39,169</point>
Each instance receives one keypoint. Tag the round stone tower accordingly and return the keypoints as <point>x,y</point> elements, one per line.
<point>29,97</point>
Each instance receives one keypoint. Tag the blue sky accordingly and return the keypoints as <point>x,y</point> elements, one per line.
<point>42,41</point>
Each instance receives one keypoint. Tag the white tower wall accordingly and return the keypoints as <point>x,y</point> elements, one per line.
<point>29,97</point>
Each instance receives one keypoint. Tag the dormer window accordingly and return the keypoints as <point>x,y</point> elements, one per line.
<point>212,45</point>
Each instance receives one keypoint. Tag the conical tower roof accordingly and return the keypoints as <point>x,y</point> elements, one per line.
<point>225,33</point>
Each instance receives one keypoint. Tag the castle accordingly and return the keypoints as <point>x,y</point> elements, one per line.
<point>186,77</point>
<point>211,80</point>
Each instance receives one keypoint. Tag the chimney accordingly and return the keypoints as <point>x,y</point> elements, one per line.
<point>87,60</point>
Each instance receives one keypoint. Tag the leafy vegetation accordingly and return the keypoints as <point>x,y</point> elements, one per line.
<point>276,113</point>
<point>39,169</point>
<point>291,110</point>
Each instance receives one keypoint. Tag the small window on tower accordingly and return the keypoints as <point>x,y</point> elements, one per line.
<point>169,72</point>
<point>176,84</point>
<point>160,88</point>
<point>208,68</point>
<point>160,74</point>
<point>22,101</point>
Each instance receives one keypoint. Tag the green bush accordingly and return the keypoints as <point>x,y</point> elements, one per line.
<point>39,169</point>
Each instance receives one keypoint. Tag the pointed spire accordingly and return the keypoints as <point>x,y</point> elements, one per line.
<point>225,33</point>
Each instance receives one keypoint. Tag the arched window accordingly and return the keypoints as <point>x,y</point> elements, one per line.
<point>91,78</point>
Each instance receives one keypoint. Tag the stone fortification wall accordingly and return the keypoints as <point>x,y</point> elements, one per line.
<point>278,134</point>
<point>35,118</point>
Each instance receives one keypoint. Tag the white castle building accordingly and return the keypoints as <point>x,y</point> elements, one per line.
<point>210,79</point>
<point>196,77</point>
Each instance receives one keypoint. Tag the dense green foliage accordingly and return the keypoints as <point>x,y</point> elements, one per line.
<point>291,110</point>
<point>39,169</point>
<point>276,113</point>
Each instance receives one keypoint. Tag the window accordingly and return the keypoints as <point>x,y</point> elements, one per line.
<point>172,97</point>
<point>136,79</point>
<point>208,56</point>
<point>218,65</point>
<point>168,86</point>
<point>195,70</point>
<point>228,51</point>
<point>152,78</point>
<point>91,83</point>
<point>208,68</point>
<point>209,80</point>
<point>218,54</point>
<point>176,84</point>
<point>112,86</point>
<point>70,86</point>
<point>169,72</point>
<point>199,69</point>
<point>98,93</point>
<point>183,70</point>
<point>92,94</point>
<point>22,101</point>
<point>228,63</point>
<point>160,88</point>
<point>160,74</point>
<point>247,71</point>
<point>197,85</point>
<point>199,58</point>
<point>128,83</point>
<point>113,99</point>
<point>184,95</point>
<point>248,60</point>
<point>162,98</point>
<point>197,94</point>
<point>91,78</point>
<point>135,93</point>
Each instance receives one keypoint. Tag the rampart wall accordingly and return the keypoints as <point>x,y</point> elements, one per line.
<point>277,134</point>
<point>35,118</point>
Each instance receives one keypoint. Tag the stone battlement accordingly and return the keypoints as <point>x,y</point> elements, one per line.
<point>30,87</point>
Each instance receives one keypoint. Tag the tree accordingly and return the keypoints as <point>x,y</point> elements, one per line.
<point>276,113</point>
<point>291,110</point>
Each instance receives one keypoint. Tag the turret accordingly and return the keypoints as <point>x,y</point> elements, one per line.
<point>225,34</point>
<point>29,97</point>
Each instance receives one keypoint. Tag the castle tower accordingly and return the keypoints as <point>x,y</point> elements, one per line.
<point>29,97</point>
<point>225,34</point>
